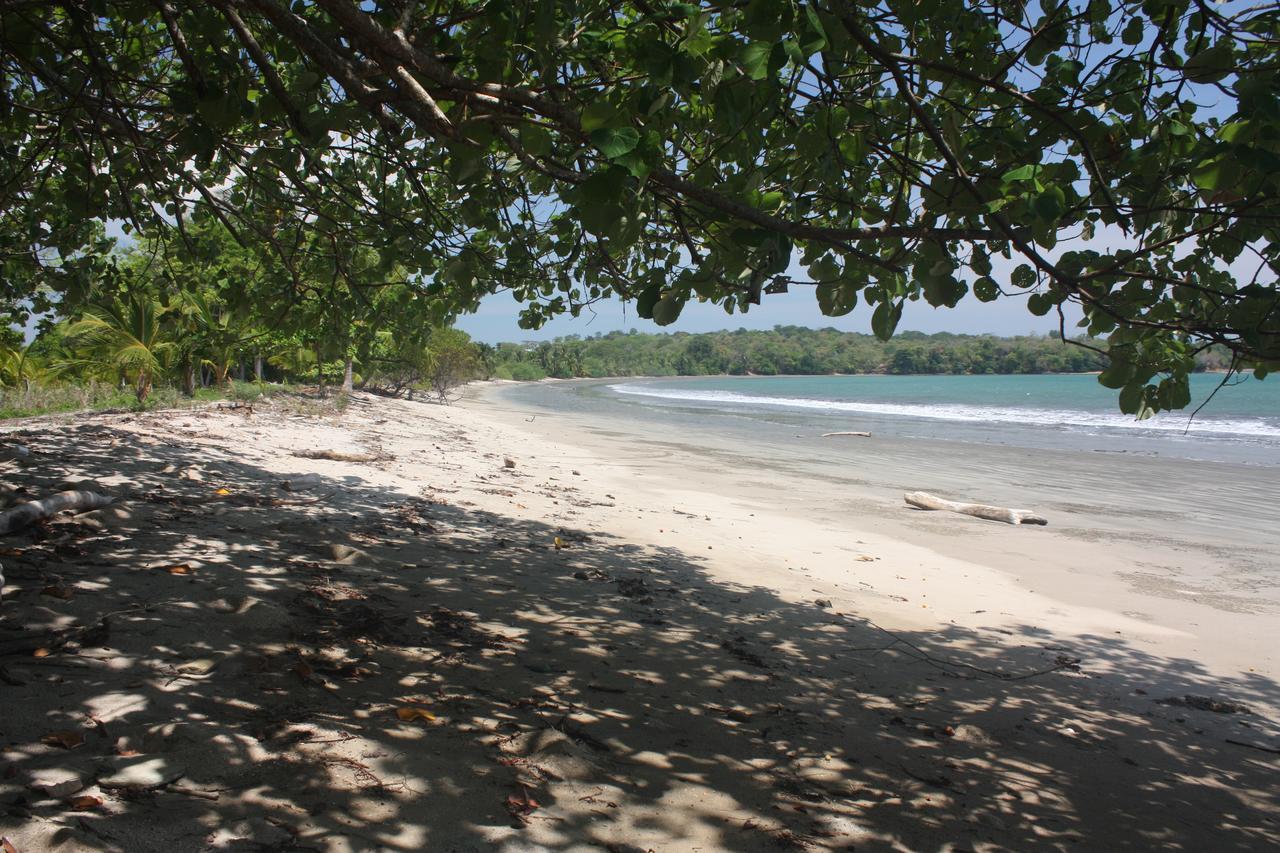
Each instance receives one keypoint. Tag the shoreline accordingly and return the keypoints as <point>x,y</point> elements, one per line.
<point>604,643</point>
<point>1091,573</point>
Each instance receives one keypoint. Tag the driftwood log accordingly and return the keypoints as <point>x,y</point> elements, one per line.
<point>859,434</point>
<point>24,514</point>
<point>924,500</point>
<point>20,516</point>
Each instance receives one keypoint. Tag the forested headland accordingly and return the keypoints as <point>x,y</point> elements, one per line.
<point>796,350</point>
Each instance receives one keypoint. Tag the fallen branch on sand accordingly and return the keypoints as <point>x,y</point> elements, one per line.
<point>30,642</point>
<point>859,434</point>
<point>924,500</point>
<point>1256,746</point>
<point>24,514</point>
<point>340,456</point>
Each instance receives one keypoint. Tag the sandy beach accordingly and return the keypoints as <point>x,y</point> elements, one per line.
<point>485,627</point>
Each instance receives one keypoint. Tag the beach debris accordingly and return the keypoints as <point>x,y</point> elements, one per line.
<point>508,462</point>
<point>14,452</point>
<point>1207,703</point>
<point>85,803</point>
<point>340,456</point>
<point>28,513</point>
<point>301,484</point>
<point>737,646</point>
<point>66,739</point>
<point>924,500</point>
<point>521,805</point>
<point>410,713</point>
<point>823,602</point>
<point>1270,749</point>
<point>857,434</point>
<point>633,587</point>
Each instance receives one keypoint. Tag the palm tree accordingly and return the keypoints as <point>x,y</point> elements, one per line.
<point>128,338</point>
<point>215,334</point>
<point>18,368</point>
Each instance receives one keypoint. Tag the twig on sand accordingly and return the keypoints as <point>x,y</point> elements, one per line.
<point>1256,746</point>
<point>949,666</point>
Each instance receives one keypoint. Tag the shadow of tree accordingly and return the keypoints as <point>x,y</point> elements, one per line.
<point>580,691</point>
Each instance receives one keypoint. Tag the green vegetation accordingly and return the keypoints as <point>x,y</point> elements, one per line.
<point>185,317</point>
<point>383,165</point>
<point>790,350</point>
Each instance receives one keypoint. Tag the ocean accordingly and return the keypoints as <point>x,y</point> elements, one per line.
<point>1240,424</point>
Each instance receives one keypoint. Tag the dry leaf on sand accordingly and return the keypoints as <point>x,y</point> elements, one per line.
<point>65,739</point>
<point>86,802</point>
<point>521,805</point>
<point>409,713</point>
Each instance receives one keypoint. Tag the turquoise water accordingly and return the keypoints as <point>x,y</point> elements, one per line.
<point>1067,412</point>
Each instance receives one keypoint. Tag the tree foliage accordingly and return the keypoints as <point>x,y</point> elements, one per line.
<point>1122,156</point>
<point>787,350</point>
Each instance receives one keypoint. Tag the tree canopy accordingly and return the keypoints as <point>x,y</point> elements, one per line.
<point>1123,156</point>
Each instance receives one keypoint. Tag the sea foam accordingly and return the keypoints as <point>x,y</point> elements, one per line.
<point>1029,416</point>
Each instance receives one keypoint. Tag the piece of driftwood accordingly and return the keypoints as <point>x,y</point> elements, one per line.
<point>924,500</point>
<point>24,514</point>
<point>339,456</point>
<point>859,434</point>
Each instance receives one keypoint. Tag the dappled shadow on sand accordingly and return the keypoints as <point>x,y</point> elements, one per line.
<point>586,692</point>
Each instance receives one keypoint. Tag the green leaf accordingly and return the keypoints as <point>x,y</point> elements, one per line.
<point>1134,31</point>
<point>599,114</point>
<point>1050,204</point>
<point>755,59</point>
<point>1040,303</point>
<point>835,299</point>
<point>615,142</point>
<point>1022,173</point>
<point>1023,276</point>
<point>535,140</point>
<point>1117,374</point>
<point>884,320</point>
<point>986,289</point>
<point>667,309</point>
<point>1212,65</point>
<point>647,299</point>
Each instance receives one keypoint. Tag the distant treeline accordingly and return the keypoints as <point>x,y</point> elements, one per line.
<point>791,350</point>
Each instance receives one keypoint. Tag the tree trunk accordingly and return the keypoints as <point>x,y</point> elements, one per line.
<point>189,379</point>
<point>319,370</point>
<point>222,376</point>
<point>347,387</point>
<point>257,367</point>
<point>143,388</point>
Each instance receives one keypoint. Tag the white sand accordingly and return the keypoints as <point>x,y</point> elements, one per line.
<point>632,654</point>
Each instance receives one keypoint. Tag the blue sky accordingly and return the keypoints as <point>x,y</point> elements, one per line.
<point>496,319</point>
